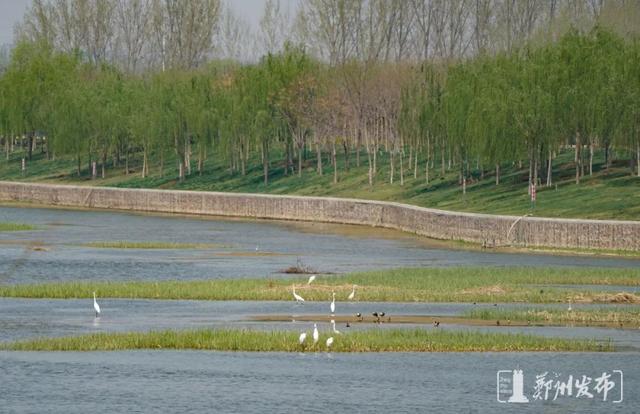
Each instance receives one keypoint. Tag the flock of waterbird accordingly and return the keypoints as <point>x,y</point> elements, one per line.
<point>332,307</point>
<point>300,299</point>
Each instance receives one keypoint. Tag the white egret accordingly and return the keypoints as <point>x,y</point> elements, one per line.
<point>333,304</point>
<point>297,297</point>
<point>333,325</point>
<point>96,307</point>
<point>353,293</point>
<point>311,279</point>
<point>302,338</point>
<point>316,334</point>
<point>329,341</point>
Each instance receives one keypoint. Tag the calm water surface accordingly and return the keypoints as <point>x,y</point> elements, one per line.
<point>221,382</point>
<point>324,247</point>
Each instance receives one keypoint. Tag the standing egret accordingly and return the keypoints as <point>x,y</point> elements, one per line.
<point>353,293</point>
<point>316,334</point>
<point>297,297</point>
<point>333,304</point>
<point>333,325</point>
<point>302,338</point>
<point>329,341</point>
<point>96,307</point>
<point>311,279</point>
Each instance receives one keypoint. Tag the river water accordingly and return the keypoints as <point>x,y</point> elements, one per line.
<point>222,382</point>
<point>245,248</point>
<point>190,381</point>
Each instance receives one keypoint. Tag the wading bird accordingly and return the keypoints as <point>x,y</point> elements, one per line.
<point>302,338</point>
<point>353,293</point>
<point>329,341</point>
<point>333,325</point>
<point>333,304</point>
<point>359,316</point>
<point>316,334</point>
<point>96,307</point>
<point>297,297</point>
<point>311,279</point>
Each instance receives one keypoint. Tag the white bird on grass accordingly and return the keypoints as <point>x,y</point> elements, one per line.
<point>302,338</point>
<point>353,293</point>
<point>96,307</point>
<point>333,325</point>
<point>297,297</point>
<point>311,279</point>
<point>329,341</point>
<point>333,304</point>
<point>316,334</point>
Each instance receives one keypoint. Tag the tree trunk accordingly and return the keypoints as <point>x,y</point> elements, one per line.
<point>497,174</point>
<point>346,155</point>
<point>577,157</point>
<point>335,163</point>
<point>591,157</point>
<point>550,169</point>
<point>144,162</point>
<point>265,162</point>
<point>299,161</point>
<point>30,145</point>
<point>442,172</point>
<point>79,169</point>
<point>401,170</point>
<point>319,156</point>
<point>391,164</point>
<point>162,163</point>
<point>370,167</point>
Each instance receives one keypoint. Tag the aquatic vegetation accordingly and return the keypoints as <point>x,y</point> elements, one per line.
<point>453,284</point>
<point>121,244</point>
<point>374,340</point>
<point>8,226</point>
<point>600,317</point>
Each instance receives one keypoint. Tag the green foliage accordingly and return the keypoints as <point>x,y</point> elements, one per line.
<point>461,284</point>
<point>490,111</point>
<point>397,340</point>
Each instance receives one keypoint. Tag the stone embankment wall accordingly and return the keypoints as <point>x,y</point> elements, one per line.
<point>489,230</point>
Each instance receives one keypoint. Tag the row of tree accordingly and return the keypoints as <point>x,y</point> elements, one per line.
<point>137,35</point>
<point>479,114</point>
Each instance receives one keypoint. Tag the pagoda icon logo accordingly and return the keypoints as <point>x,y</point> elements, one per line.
<point>510,383</point>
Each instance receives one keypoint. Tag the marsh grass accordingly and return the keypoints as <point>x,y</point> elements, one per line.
<point>602,317</point>
<point>7,226</point>
<point>461,284</point>
<point>399,340</point>
<point>121,244</point>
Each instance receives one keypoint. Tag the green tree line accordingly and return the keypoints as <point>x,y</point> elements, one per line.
<point>522,106</point>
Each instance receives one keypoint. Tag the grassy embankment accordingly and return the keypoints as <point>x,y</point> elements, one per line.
<point>604,195</point>
<point>457,284</point>
<point>362,341</point>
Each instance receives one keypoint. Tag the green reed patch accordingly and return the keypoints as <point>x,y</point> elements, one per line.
<point>121,244</point>
<point>398,340</point>
<point>7,226</point>
<point>453,284</point>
